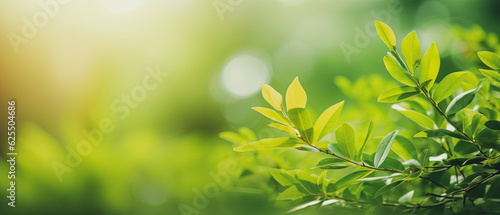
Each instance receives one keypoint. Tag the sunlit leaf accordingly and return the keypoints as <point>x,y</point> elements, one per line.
<point>429,66</point>
<point>419,118</point>
<point>461,101</point>
<point>295,95</point>
<point>272,114</point>
<point>291,193</point>
<point>361,150</point>
<point>272,96</point>
<point>490,59</point>
<point>326,121</point>
<point>282,177</point>
<point>308,182</point>
<point>440,133</point>
<point>386,34</point>
<point>388,187</point>
<point>288,129</point>
<point>335,149</point>
<point>490,74</point>
<point>271,143</point>
<point>406,197</point>
<point>404,148</point>
<point>232,137</point>
<point>345,139</point>
<point>384,148</point>
<point>302,121</point>
<point>348,179</point>
<point>398,94</point>
<point>332,163</point>
<point>448,86</point>
<point>397,72</point>
<point>410,47</point>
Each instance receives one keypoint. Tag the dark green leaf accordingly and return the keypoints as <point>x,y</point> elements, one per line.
<point>348,179</point>
<point>493,124</point>
<point>388,187</point>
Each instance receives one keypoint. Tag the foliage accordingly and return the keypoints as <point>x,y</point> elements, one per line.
<point>447,162</point>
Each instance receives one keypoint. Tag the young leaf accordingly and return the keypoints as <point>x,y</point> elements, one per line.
<point>420,119</point>
<point>322,182</point>
<point>282,177</point>
<point>490,74</point>
<point>461,101</point>
<point>302,122</point>
<point>429,66</point>
<point>397,72</point>
<point>335,149</point>
<point>347,180</point>
<point>386,34</point>
<point>360,153</point>
<point>271,143</point>
<point>326,121</point>
<point>384,148</point>
<point>404,148</point>
<point>388,187</point>
<point>411,50</point>
<point>490,59</point>
<point>288,129</point>
<point>272,114</point>
<point>398,94</point>
<point>345,139</point>
<point>332,163</point>
<point>291,193</point>
<point>232,137</point>
<point>272,96</point>
<point>448,86</point>
<point>295,95</point>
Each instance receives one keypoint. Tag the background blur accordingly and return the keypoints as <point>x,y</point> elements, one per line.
<point>69,64</point>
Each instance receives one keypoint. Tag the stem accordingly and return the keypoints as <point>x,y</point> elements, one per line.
<point>467,189</point>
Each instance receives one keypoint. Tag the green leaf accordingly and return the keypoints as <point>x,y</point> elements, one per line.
<point>282,177</point>
<point>384,147</point>
<point>326,121</point>
<point>404,148</point>
<point>308,182</point>
<point>332,163</point>
<point>291,193</point>
<point>411,50</point>
<point>288,129</point>
<point>272,96</point>
<point>388,187</point>
<point>493,124</point>
<point>322,182</point>
<point>406,197</point>
<point>440,133</point>
<point>448,86</point>
<point>386,34</point>
<point>490,59</point>
<point>272,114</point>
<point>232,137</point>
<point>397,72</point>
<point>271,143</point>
<point>302,122</point>
<point>490,74</point>
<point>360,153</point>
<point>464,147</point>
<point>335,149</point>
<point>398,94</point>
<point>419,118</point>
<point>461,101</point>
<point>295,95</point>
<point>429,66</point>
<point>348,179</point>
<point>345,139</point>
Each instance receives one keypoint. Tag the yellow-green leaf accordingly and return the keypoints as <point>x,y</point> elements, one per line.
<point>490,59</point>
<point>272,96</point>
<point>288,129</point>
<point>429,66</point>
<point>411,50</point>
<point>386,34</point>
<point>271,143</point>
<point>291,193</point>
<point>398,94</point>
<point>295,95</point>
<point>271,114</point>
<point>327,120</point>
<point>490,74</point>
<point>420,119</point>
<point>448,86</point>
<point>345,139</point>
<point>397,72</point>
<point>302,122</point>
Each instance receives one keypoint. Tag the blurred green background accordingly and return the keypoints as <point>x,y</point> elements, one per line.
<point>68,64</point>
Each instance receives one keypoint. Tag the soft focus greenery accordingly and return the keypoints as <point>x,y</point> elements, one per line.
<point>172,146</point>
